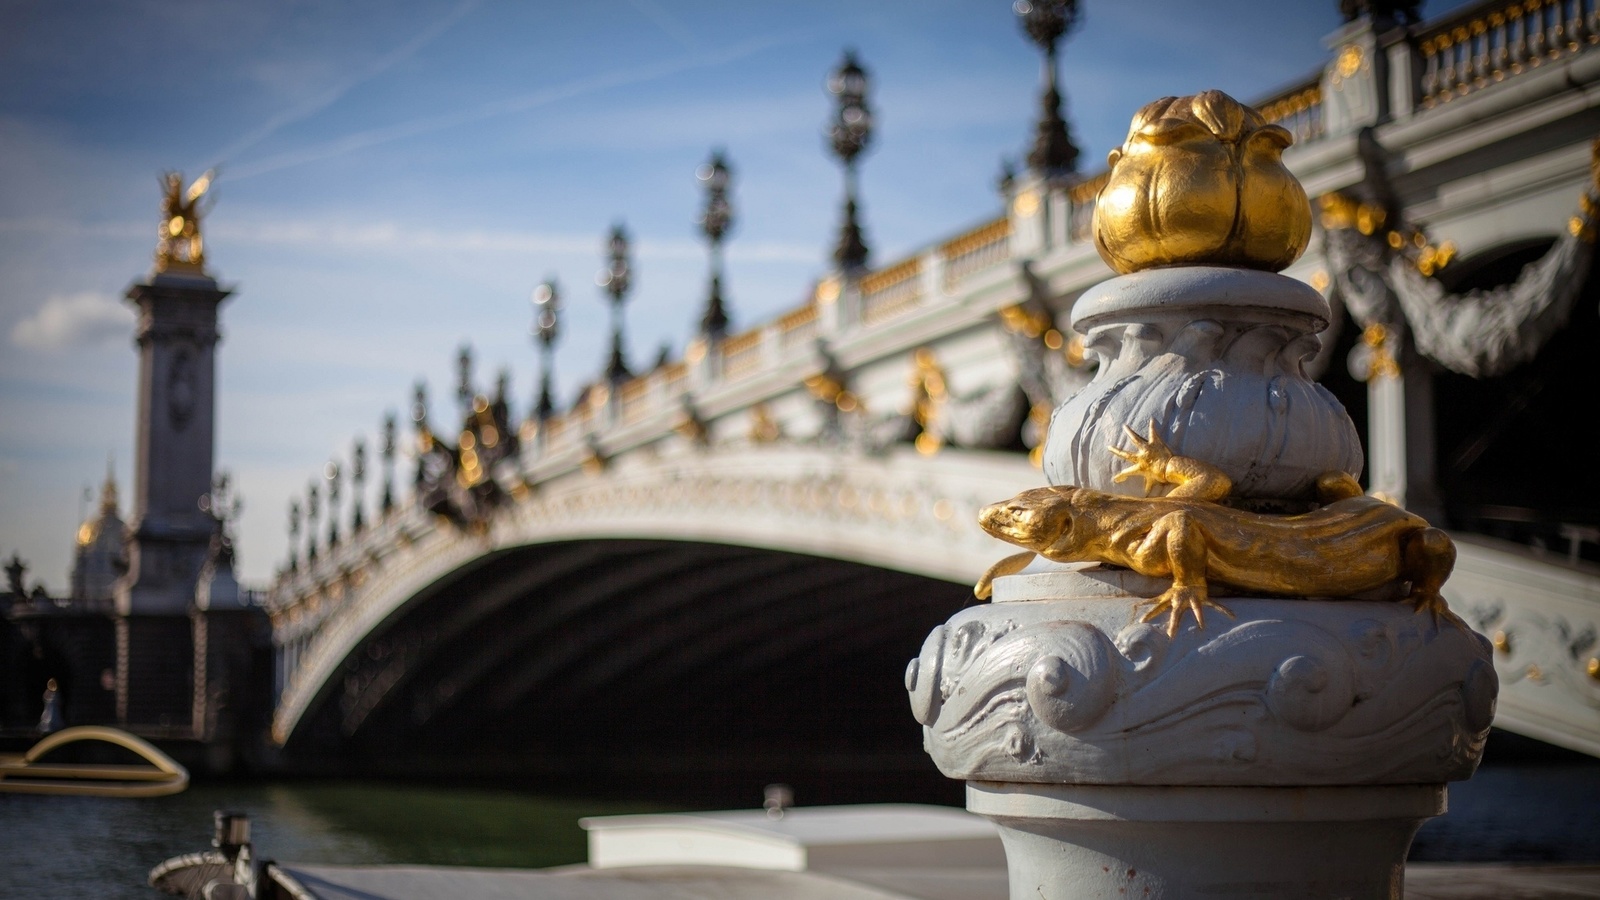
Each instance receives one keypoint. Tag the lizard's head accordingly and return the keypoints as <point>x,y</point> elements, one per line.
<point>1033,519</point>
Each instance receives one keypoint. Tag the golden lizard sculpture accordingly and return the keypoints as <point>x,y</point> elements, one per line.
<point>1353,543</point>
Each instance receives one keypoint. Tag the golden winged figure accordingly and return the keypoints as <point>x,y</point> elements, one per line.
<point>180,247</point>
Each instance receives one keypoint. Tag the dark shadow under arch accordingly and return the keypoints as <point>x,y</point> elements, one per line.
<point>692,672</point>
<point>1503,444</point>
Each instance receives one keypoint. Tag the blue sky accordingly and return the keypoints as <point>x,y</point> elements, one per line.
<point>397,176</point>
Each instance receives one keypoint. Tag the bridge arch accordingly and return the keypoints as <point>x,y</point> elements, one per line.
<point>762,592</point>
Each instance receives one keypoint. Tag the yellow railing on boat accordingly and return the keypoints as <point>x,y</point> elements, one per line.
<point>25,774</point>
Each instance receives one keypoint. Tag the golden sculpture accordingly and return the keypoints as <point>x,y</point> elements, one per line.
<point>763,430</point>
<point>1340,212</point>
<point>180,248</point>
<point>928,395</point>
<point>1201,180</point>
<point>1352,544</point>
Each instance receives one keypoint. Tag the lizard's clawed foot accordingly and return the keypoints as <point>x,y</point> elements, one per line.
<point>1149,457</point>
<point>1432,602</point>
<point>1175,601</point>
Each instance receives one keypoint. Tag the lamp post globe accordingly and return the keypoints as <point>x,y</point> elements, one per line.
<point>546,301</point>
<point>715,220</point>
<point>849,134</point>
<point>616,278</point>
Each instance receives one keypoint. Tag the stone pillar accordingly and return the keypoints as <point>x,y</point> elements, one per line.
<point>1029,211</point>
<point>1286,744</point>
<point>232,694</point>
<point>1405,74</point>
<point>1355,85</point>
<point>1400,434</point>
<point>177,337</point>
<point>1292,750</point>
<point>155,660</point>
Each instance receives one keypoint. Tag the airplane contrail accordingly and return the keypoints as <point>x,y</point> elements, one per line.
<point>330,96</point>
<point>668,23</point>
<point>371,137</point>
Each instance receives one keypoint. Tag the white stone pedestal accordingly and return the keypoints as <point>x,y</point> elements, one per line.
<point>1067,842</point>
<point>1292,751</point>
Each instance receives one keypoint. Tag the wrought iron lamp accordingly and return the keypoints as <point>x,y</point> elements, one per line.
<point>849,134</point>
<point>464,390</point>
<point>1053,155</point>
<point>313,512</point>
<point>294,534</point>
<point>331,472</point>
<point>615,278</point>
<point>715,221</point>
<point>419,425</point>
<point>358,481</point>
<point>388,463</point>
<point>546,328</point>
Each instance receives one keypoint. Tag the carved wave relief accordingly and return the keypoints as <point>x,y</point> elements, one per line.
<point>1291,692</point>
<point>1235,395</point>
<point>1216,358</point>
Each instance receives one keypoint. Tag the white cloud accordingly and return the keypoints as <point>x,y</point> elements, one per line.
<point>68,320</point>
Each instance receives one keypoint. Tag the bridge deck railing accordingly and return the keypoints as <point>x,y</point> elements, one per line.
<point>1434,64</point>
<point>1488,43</point>
<point>835,307</point>
<point>1298,108</point>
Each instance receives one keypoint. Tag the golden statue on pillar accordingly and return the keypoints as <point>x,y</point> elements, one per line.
<point>1200,184</point>
<point>180,248</point>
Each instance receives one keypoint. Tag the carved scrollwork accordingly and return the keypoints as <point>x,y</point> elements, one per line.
<point>1221,373</point>
<point>1070,691</point>
<point>1543,658</point>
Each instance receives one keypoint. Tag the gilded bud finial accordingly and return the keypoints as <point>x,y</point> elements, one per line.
<point>1200,181</point>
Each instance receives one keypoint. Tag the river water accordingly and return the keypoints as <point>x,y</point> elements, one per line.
<point>80,847</point>
<point>91,847</point>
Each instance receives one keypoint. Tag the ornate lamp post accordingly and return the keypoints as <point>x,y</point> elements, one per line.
<point>615,278</point>
<point>313,510</point>
<point>388,463</point>
<point>546,329</point>
<point>464,389</point>
<point>358,481</point>
<point>1053,154</point>
<point>294,533</point>
<point>715,221</point>
<point>424,437</point>
<point>331,472</point>
<point>849,134</point>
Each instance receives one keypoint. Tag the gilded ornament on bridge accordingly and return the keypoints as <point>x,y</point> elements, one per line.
<point>928,399</point>
<point>1201,180</point>
<point>1349,545</point>
<point>763,429</point>
<point>180,247</point>
<point>1343,213</point>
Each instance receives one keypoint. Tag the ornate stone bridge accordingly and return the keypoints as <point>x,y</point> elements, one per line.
<point>754,538</point>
